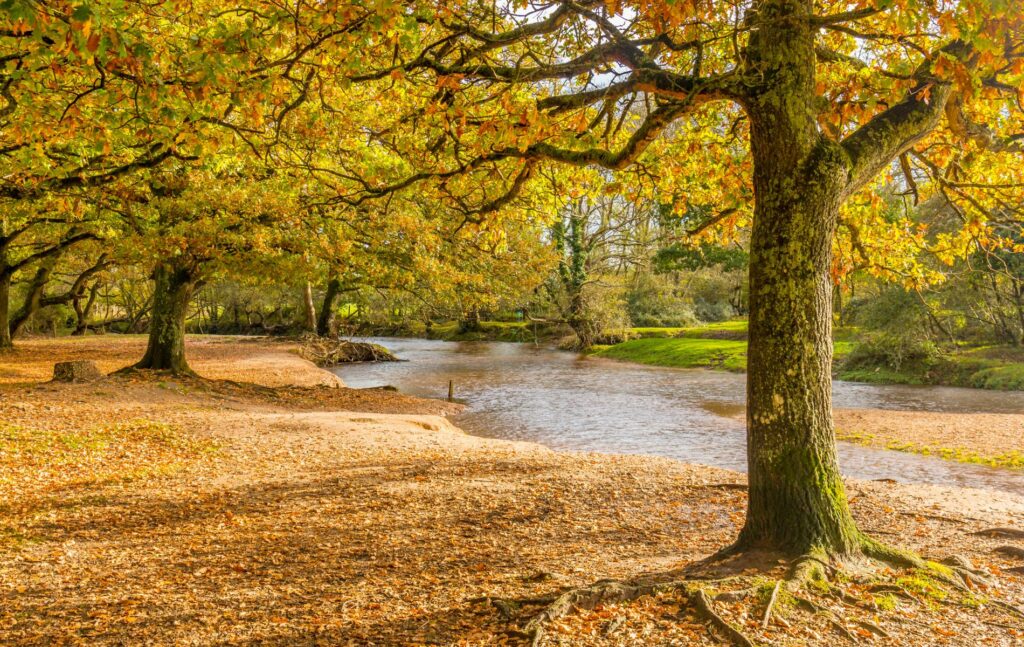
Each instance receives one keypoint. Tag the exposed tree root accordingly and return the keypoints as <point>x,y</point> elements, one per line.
<point>1006,533</point>
<point>814,573</point>
<point>771,604</point>
<point>1011,551</point>
<point>892,555</point>
<point>615,591</point>
<point>703,605</point>
<point>136,370</point>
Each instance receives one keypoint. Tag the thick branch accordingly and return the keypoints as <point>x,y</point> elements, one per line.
<point>874,145</point>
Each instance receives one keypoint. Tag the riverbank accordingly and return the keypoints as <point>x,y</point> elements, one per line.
<point>723,346</point>
<point>982,438</point>
<point>255,511</point>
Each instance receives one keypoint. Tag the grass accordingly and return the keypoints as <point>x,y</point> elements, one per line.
<point>988,367</point>
<point>1007,377</point>
<point>681,352</point>
<point>720,345</point>
<point>923,585</point>
<point>1013,459</point>
<point>735,329</point>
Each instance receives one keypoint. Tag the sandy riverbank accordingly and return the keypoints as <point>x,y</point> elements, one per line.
<point>974,437</point>
<point>316,514</point>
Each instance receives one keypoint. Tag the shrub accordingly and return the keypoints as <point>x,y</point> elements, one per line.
<point>893,350</point>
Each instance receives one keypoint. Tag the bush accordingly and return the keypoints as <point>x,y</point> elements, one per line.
<point>893,350</point>
<point>651,303</point>
<point>713,310</point>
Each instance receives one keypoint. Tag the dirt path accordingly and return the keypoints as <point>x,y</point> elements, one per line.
<point>324,515</point>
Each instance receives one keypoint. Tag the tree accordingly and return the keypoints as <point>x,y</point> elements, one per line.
<point>192,224</point>
<point>37,234</point>
<point>801,105</point>
<point>594,233</point>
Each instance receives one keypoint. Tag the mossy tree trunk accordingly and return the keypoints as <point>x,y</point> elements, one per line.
<point>796,499</point>
<point>326,323</point>
<point>174,285</point>
<point>574,250</point>
<point>580,321</point>
<point>5,311</point>
<point>34,297</point>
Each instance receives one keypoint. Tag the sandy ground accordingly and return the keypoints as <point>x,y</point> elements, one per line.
<point>260,360</point>
<point>325,515</point>
<point>978,436</point>
<point>984,434</point>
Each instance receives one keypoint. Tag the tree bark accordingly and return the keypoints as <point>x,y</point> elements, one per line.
<point>580,321</point>
<point>797,502</point>
<point>5,312</point>
<point>310,309</point>
<point>173,289</point>
<point>34,297</point>
<point>574,250</point>
<point>326,322</point>
<point>82,312</point>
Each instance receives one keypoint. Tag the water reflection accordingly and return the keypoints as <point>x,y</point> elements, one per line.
<point>524,392</point>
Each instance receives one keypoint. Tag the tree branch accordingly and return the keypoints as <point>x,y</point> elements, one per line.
<point>874,145</point>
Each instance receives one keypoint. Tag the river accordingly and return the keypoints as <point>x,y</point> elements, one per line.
<point>564,401</point>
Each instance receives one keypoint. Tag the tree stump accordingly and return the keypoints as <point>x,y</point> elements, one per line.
<point>79,371</point>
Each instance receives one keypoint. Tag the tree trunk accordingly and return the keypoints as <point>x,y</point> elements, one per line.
<point>470,321</point>
<point>34,297</point>
<point>173,288</point>
<point>82,313</point>
<point>5,311</point>
<point>579,320</point>
<point>325,323</point>
<point>797,503</point>
<point>310,309</point>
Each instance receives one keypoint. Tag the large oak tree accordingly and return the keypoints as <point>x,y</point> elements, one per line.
<point>784,113</point>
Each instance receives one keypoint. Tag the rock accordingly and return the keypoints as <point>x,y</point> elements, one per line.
<point>79,371</point>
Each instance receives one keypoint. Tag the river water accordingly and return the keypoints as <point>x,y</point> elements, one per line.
<point>564,401</point>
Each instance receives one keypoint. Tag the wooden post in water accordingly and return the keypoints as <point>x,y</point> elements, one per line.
<point>451,390</point>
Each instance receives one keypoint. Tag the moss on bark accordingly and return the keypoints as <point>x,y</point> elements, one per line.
<point>174,284</point>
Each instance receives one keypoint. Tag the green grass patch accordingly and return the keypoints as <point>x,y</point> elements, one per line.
<point>923,585</point>
<point>991,367</point>
<point>1010,460</point>
<point>841,348</point>
<point>735,329</point>
<point>884,602</point>
<point>1008,377</point>
<point>880,375</point>
<point>681,352</point>
<point>720,345</point>
<point>647,331</point>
